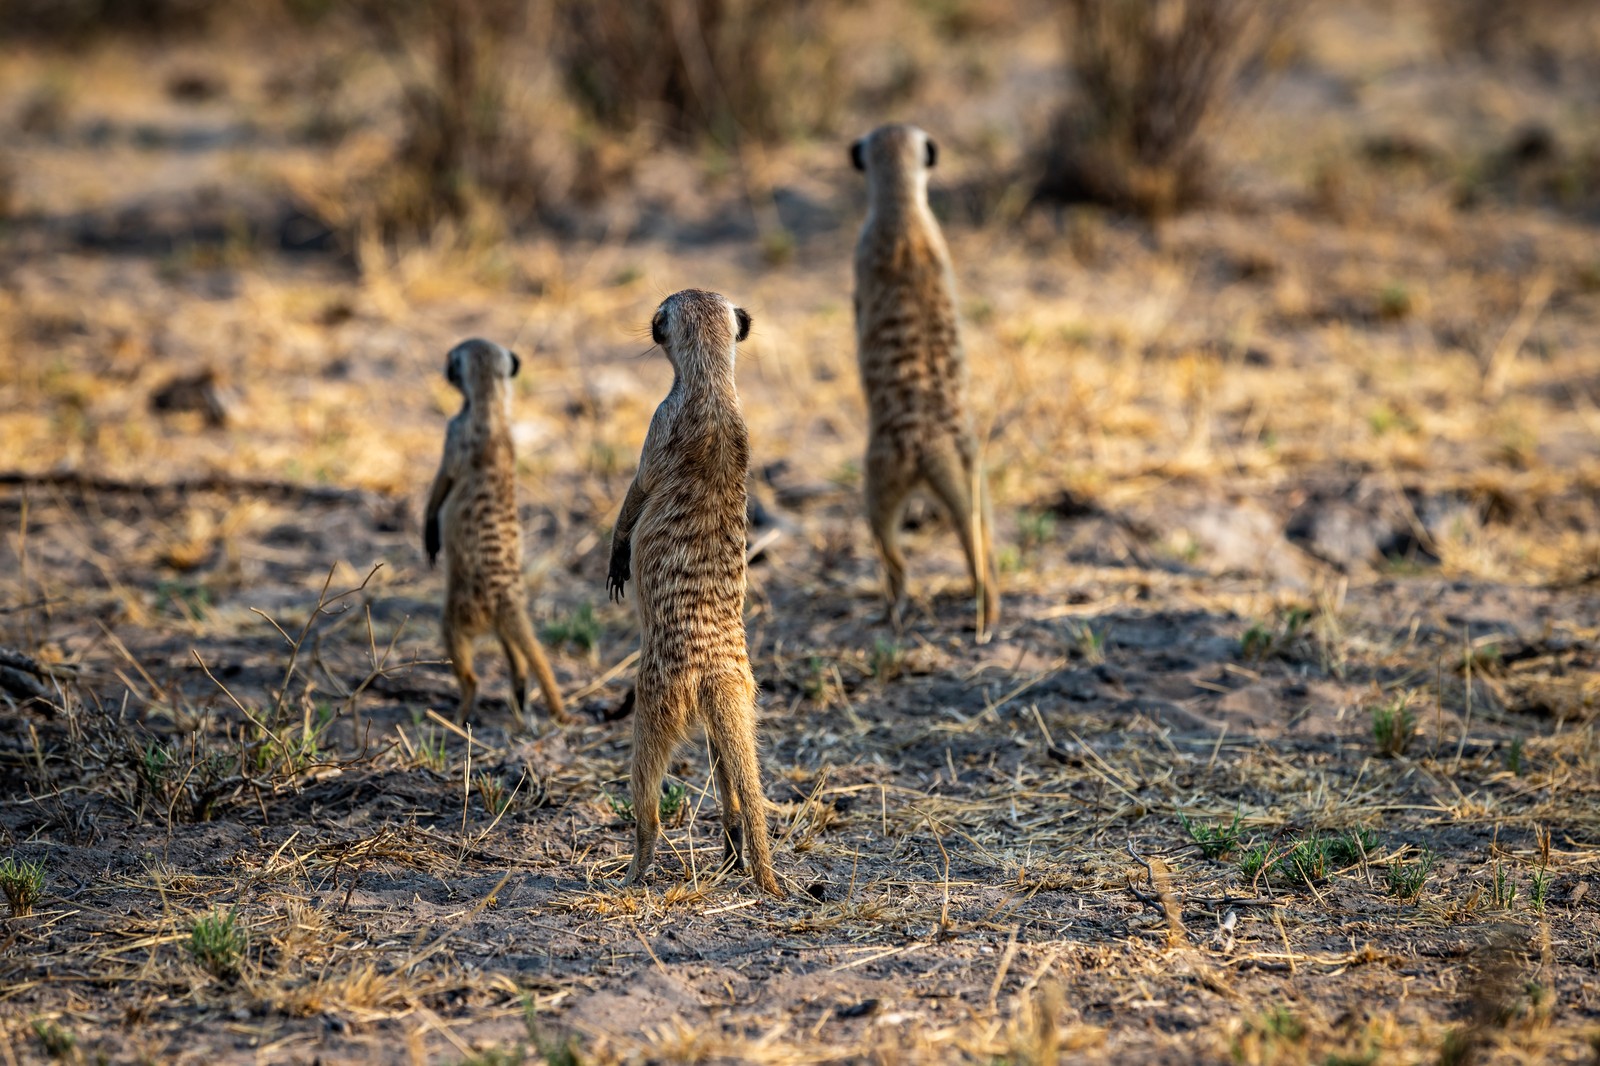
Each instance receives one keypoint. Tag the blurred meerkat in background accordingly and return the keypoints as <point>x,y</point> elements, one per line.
<point>912,367</point>
<point>472,517</point>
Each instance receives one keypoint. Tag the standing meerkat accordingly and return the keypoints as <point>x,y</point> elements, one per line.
<point>912,366</point>
<point>682,532</point>
<point>472,514</point>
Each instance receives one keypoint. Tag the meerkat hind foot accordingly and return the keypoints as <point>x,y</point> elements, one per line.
<point>733,857</point>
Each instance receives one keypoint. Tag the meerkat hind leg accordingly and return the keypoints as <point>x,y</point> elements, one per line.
<point>730,713</point>
<point>953,477</point>
<point>458,645</point>
<point>654,736</point>
<point>888,485</point>
<point>727,807</point>
<point>522,648</point>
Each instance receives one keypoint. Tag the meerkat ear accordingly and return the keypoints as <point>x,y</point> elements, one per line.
<point>516,364</point>
<point>858,157</point>
<point>932,153</point>
<point>743,318</point>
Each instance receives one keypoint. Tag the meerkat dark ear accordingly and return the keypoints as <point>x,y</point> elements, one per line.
<point>743,318</point>
<point>516,364</point>
<point>858,156</point>
<point>932,153</point>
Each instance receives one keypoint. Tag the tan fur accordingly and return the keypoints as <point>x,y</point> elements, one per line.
<point>913,369</point>
<point>472,515</point>
<point>682,532</point>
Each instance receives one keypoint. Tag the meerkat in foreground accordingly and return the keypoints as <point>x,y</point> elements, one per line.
<point>681,531</point>
<point>912,367</point>
<point>472,515</point>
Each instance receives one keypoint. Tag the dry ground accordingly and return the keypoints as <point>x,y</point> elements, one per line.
<point>1265,474</point>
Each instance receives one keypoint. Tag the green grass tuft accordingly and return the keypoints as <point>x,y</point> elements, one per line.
<point>1214,841</point>
<point>217,942</point>
<point>22,881</point>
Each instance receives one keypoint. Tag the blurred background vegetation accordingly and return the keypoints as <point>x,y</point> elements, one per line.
<point>494,116</point>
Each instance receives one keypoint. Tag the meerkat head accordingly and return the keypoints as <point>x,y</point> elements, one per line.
<point>698,330</point>
<point>475,366</point>
<point>895,157</point>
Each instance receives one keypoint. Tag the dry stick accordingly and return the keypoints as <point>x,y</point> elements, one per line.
<point>1505,352</point>
<point>1466,723</point>
<point>944,907</point>
<point>1005,964</point>
<point>466,796</point>
<point>976,533</point>
<point>647,948</point>
<point>1277,919</point>
<point>605,679</point>
<point>439,940</point>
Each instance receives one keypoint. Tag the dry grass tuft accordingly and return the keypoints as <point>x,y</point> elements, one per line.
<point>1151,77</point>
<point>722,70</point>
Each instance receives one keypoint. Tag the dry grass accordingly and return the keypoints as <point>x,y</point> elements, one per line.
<point>1150,821</point>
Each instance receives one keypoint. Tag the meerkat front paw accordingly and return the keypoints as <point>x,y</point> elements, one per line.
<point>621,570</point>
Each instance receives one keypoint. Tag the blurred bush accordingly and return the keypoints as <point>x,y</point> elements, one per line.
<point>1150,75</point>
<point>718,69</point>
<point>460,142</point>
<point>68,20</point>
<point>1543,32</point>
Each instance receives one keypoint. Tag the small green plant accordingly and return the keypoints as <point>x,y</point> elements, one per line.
<point>621,806</point>
<point>56,1041</point>
<point>671,804</point>
<point>431,751</point>
<point>217,942</point>
<point>492,790</point>
<point>1353,846</point>
<point>566,1052</point>
<point>1254,861</point>
<point>886,659</point>
<point>23,884</point>
<point>1035,529</point>
<point>1539,889</point>
<point>1395,301</point>
<point>669,807</point>
<point>1089,642</point>
<point>580,628</point>
<point>815,684</point>
<point>155,766</point>
<point>1256,642</point>
<point>1277,637</point>
<point>1406,879</point>
<point>1393,726</point>
<point>1307,862</point>
<point>1515,758</point>
<point>1503,889</point>
<point>1269,1036</point>
<point>1214,841</point>
<point>190,602</point>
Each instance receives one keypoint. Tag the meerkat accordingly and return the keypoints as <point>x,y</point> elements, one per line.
<point>681,531</point>
<point>472,515</point>
<point>912,367</point>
